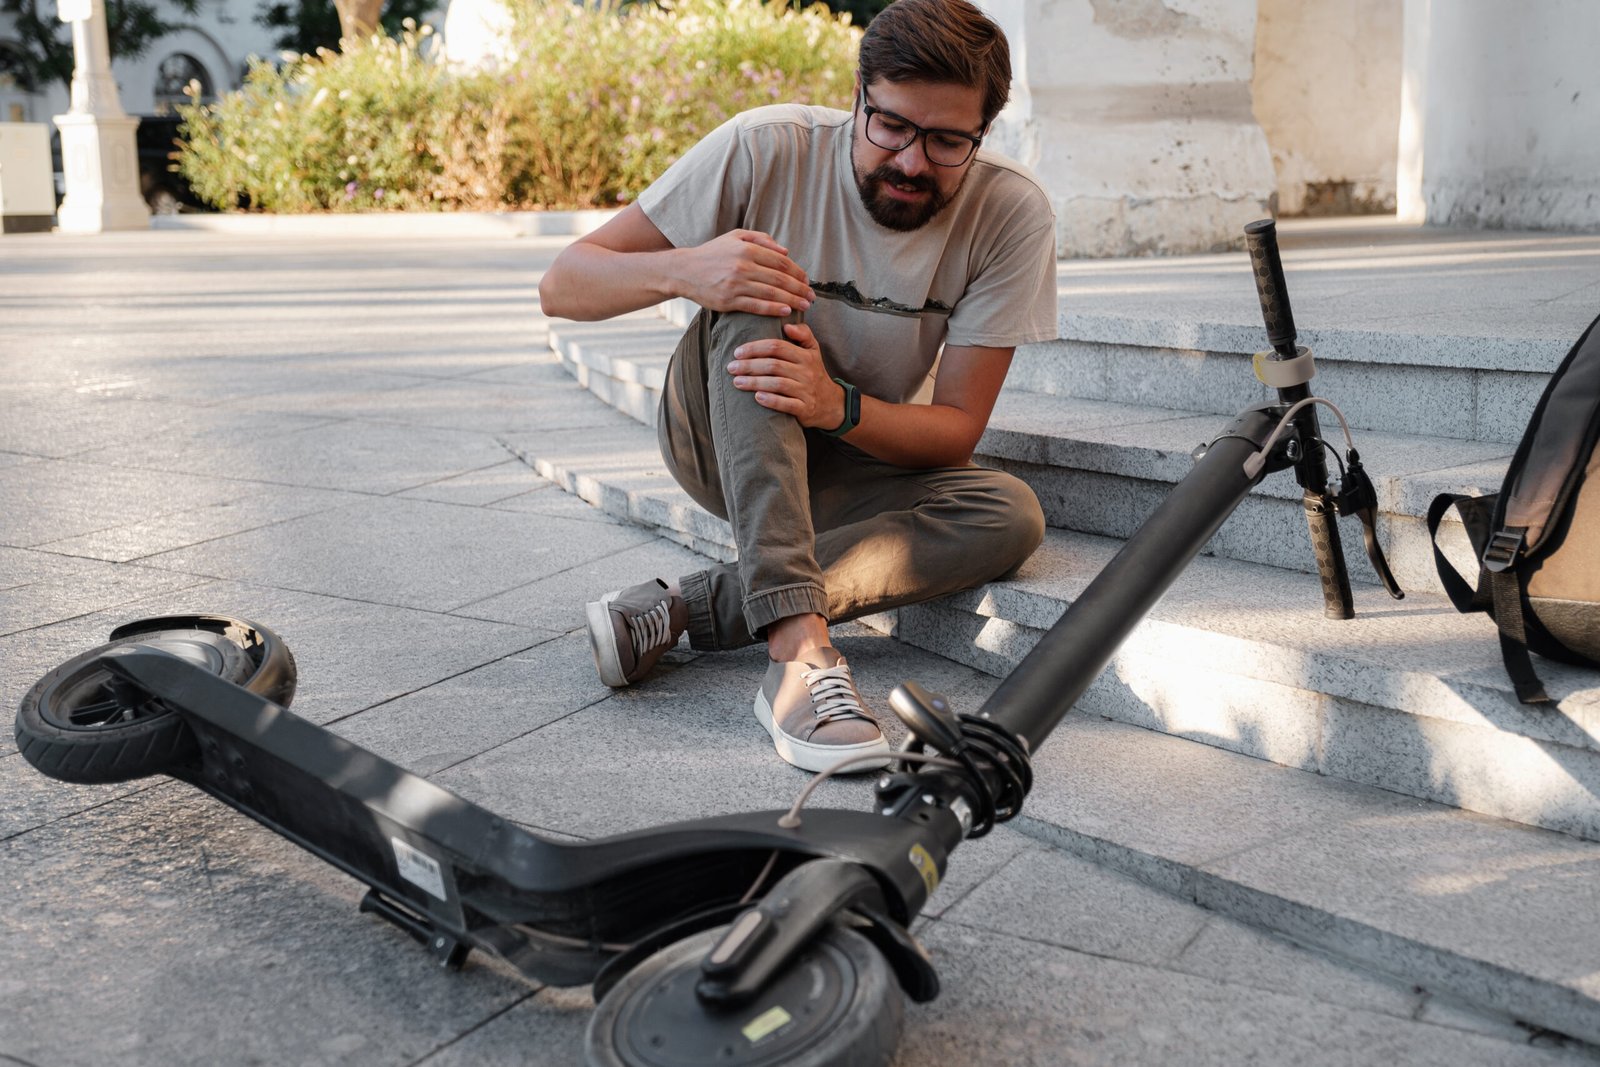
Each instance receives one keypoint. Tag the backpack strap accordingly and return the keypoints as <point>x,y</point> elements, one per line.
<point>1505,584</point>
<point>1463,596</point>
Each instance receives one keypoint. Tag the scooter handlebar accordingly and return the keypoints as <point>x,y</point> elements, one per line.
<point>1261,237</point>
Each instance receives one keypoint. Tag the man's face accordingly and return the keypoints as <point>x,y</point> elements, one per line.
<point>903,189</point>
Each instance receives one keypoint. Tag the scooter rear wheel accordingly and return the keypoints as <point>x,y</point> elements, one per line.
<point>835,1005</point>
<point>82,723</point>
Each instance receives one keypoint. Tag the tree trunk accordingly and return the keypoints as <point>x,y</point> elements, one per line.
<point>358,20</point>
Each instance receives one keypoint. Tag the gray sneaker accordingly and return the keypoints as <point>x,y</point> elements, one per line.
<point>816,716</point>
<point>632,628</point>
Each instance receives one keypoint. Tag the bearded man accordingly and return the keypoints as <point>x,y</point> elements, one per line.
<point>833,254</point>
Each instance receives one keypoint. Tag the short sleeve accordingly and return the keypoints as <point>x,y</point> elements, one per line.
<point>1013,299</point>
<point>705,192</point>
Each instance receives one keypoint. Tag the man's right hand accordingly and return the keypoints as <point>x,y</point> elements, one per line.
<point>743,270</point>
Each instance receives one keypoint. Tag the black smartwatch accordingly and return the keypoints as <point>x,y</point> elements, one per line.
<point>852,410</point>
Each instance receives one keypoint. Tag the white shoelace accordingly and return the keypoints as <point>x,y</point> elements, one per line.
<point>833,695</point>
<point>651,628</point>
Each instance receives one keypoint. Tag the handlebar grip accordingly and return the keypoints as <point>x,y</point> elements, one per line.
<point>1261,237</point>
<point>1323,519</point>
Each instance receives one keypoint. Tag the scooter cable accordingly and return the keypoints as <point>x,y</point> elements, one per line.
<point>1253,465</point>
<point>791,818</point>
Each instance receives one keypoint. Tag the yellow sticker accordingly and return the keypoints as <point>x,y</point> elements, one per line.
<point>925,867</point>
<point>1255,365</point>
<point>769,1021</point>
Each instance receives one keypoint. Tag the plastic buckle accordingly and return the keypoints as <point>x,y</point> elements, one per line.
<point>1502,549</point>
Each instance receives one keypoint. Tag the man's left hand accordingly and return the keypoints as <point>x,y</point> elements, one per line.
<point>786,374</point>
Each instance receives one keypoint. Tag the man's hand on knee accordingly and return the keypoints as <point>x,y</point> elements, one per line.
<point>787,374</point>
<point>743,270</point>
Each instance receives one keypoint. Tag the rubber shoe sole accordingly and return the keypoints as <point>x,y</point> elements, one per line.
<point>818,758</point>
<point>603,641</point>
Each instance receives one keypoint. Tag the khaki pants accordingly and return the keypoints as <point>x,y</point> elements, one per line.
<point>820,526</point>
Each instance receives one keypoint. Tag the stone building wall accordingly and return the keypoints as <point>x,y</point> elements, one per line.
<point>1500,118</point>
<point>1327,94</point>
<point>1136,115</point>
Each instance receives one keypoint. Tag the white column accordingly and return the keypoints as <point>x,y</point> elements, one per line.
<point>99,156</point>
<point>1500,114</point>
<point>1136,116</point>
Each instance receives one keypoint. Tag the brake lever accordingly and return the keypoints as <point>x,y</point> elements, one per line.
<point>1357,496</point>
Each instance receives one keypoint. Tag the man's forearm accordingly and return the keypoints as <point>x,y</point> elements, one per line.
<point>916,435</point>
<point>588,282</point>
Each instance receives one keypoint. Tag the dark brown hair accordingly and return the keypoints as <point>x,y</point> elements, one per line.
<point>945,41</point>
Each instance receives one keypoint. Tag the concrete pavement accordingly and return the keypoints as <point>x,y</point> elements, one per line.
<point>309,432</point>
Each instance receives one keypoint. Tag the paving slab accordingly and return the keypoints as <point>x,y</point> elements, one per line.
<point>412,553</point>
<point>544,1029</point>
<point>1051,897</point>
<point>464,715</point>
<point>494,484</point>
<point>551,500</point>
<point>557,602</point>
<point>58,499</point>
<point>29,800</point>
<point>1027,1004</point>
<point>49,421</point>
<point>253,508</point>
<point>176,900</point>
<point>642,755</point>
<point>456,403</point>
<point>350,655</point>
<point>81,587</point>
<point>357,456</point>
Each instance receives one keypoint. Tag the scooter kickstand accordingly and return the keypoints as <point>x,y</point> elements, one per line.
<point>447,949</point>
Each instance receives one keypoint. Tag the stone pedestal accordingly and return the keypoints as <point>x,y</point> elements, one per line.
<point>100,160</point>
<point>99,154</point>
<point>1136,116</point>
<point>27,190</point>
<point>1499,107</point>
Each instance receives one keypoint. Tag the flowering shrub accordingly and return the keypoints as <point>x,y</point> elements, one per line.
<point>595,104</point>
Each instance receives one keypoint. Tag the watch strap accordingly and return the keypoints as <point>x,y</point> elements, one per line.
<point>852,410</point>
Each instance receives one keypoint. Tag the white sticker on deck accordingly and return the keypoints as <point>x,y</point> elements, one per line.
<point>418,868</point>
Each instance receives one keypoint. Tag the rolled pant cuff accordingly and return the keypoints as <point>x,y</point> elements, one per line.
<point>696,591</point>
<point>768,606</point>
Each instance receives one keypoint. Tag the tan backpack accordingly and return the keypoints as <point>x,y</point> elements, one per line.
<point>1538,539</point>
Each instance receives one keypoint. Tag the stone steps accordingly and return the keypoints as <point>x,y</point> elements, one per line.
<point>1409,696</point>
<point>1443,900</point>
<point>1100,467</point>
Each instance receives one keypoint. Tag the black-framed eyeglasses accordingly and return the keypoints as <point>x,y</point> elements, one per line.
<point>892,133</point>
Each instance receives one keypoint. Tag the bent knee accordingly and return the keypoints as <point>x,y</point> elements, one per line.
<point>1017,526</point>
<point>736,327</point>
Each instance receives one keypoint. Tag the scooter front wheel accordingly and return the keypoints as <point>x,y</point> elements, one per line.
<point>82,723</point>
<point>836,1004</point>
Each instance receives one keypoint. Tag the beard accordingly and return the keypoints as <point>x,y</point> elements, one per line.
<point>901,215</point>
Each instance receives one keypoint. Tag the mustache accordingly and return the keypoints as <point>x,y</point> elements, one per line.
<point>892,174</point>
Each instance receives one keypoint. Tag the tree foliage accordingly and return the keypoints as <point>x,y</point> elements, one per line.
<point>43,49</point>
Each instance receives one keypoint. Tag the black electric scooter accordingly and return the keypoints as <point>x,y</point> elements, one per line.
<point>752,939</point>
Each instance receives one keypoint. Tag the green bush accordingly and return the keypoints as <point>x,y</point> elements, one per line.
<point>594,106</point>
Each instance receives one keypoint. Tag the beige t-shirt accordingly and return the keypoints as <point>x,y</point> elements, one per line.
<point>982,272</point>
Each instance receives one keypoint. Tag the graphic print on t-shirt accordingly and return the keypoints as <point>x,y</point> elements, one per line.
<point>848,292</point>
